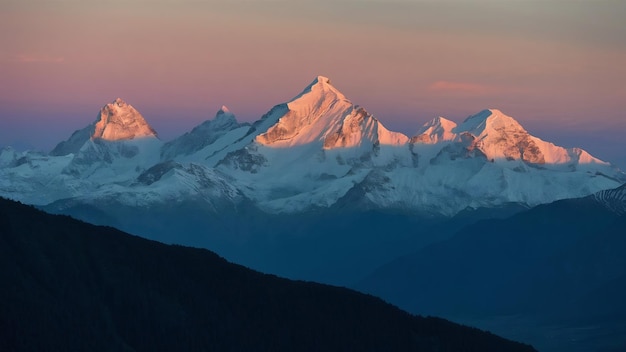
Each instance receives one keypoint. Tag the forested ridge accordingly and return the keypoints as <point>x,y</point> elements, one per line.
<point>68,285</point>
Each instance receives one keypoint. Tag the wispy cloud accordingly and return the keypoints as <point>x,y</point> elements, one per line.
<point>460,87</point>
<point>27,58</point>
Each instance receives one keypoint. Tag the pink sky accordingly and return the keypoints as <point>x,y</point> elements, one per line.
<point>558,67</point>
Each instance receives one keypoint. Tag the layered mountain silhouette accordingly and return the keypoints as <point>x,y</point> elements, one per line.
<point>315,177</point>
<point>67,285</point>
<point>318,189</point>
<point>556,265</point>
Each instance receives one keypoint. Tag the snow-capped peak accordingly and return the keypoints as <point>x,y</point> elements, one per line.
<point>116,121</point>
<point>223,110</point>
<point>120,121</point>
<point>487,121</point>
<point>436,130</point>
<point>341,156</point>
<point>321,81</point>
<point>224,120</point>
<point>321,113</point>
<point>224,115</point>
<point>319,89</point>
<point>501,137</point>
<point>202,135</point>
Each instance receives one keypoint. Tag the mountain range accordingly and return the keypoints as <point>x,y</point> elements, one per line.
<point>316,172</point>
<point>316,151</point>
<point>479,221</point>
<point>554,275</point>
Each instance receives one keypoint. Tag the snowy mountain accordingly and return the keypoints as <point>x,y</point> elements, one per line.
<point>109,153</point>
<point>501,137</point>
<point>116,121</point>
<point>437,130</point>
<point>315,189</point>
<point>323,150</point>
<point>347,184</point>
<point>115,149</point>
<point>119,121</point>
<point>321,114</point>
<point>316,151</point>
<point>202,136</point>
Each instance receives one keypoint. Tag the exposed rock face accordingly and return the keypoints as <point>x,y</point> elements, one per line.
<point>437,130</point>
<point>120,121</point>
<point>500,136</point>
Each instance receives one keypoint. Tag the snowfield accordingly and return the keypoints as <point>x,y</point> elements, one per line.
<point>314,151</point>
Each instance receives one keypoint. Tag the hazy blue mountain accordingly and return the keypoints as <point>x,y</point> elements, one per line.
<point>560,264</point>
<point>68,285</point>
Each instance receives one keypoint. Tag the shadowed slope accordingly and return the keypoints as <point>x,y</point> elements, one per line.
<point>68,285</point>
<point>560,264</point>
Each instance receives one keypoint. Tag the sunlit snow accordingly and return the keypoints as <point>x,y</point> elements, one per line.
<point>315,150</point>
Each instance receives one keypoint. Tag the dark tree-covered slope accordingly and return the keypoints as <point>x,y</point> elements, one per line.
<point>67,285</point>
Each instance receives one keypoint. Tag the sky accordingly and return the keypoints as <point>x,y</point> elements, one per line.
<point>557,66</point>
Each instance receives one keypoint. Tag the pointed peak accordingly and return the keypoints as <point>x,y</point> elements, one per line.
<point>224,112</point>
<point>440,121</point>
<point>480,116</point>
<point>223,115</point>
<point>437,122</point>
<point>314,114</point>
<point>486,114</point>
<point>321,80</point>
<point>321,114</point>
<point>486,120</point>
<point>119,102</point>
<point>321,85</point>
<point>436,130</point>
<point>118,120</point>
